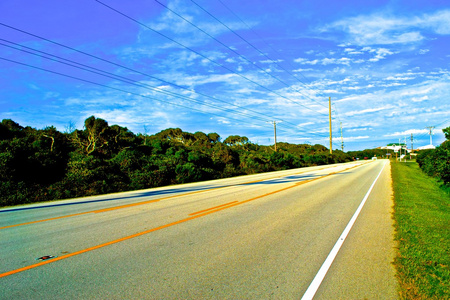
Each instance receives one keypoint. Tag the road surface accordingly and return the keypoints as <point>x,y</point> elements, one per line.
<point>264,236</point>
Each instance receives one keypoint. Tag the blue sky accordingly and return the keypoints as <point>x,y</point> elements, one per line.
<point>232,68</point>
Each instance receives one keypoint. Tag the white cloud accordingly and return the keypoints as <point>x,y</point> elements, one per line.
<point>267,61</point>
<point>407,132</point>
<point>367,111</point>
<point>386,29</point>
<point>377,55</point>
<point>354,138</point>
<point>355,98</point>
<point>325,61</point>
<point>392,84</point>
<point>305,124</point>
<point>399,78</point>
<point>358,129</point>
<point>420,99</point>
<point>304,61</point>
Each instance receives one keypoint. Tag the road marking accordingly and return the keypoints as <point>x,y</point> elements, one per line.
<point>38,221</point>
<point>106,209</point>
<point>199,212</point>
<point>317,281</point>
<point>139,203</point>
<point>170,197</point>
<point>199,215</point>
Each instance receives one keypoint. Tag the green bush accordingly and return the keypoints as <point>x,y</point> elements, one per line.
<point>436,162</point>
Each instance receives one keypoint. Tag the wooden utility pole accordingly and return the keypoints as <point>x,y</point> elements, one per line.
<point>275,133</point>
<point>342,140</point>
<point>331,134</point>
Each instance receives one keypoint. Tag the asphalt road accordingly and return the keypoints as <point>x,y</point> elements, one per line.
<point>263,236</point>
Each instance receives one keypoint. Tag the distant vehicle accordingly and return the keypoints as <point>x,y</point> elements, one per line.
<point>374,158</point>
<point>366,158</point>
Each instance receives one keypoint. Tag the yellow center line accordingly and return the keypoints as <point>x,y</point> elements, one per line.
<point>197,215</point>
<point>105,209</point>
<point>152,201</point>
<point>199,212</point>
<point>50,219</point>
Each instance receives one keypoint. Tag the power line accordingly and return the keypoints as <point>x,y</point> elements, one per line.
<point>234,51</point>
<point>259,51</point>
<point>122,66</point>
<point>121,78</point>
<point>118,89</point>
<point>267,44</point>
<point>127,80</point>
<point>133,82</point>
<point>125,91</point>
<point>205,57</point>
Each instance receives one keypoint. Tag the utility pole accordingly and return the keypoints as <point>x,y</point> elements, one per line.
<point>430,128</point>
<point>331,134</point>
<point>396,153</point>
<point>342,140</point>
<point>406,149</point>
<point>275,132</point>
<point>412,143</point>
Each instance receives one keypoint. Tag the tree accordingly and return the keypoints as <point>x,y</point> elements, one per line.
<point>236,140</point>
<point>213,137</point>
<point>447,133</point>
<point>10,129</point>
<point>170,134</point>
<point>93,136</point>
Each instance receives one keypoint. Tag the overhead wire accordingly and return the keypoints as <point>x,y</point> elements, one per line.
<point>273,61</point>
<point>125,67</point>
<point>124,79</point>
<point>267,44</point>
<point>120,78</point>
<point>231,49</point>
<point>130,69</point>
<point>422,135</point>
<point>117,77</point>
<point>203,56</point>
<point>107,86</point>
<point>258,50</point>
<point>122,90</point>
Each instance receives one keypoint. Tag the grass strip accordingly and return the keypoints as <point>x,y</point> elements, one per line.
<point>422,216</point>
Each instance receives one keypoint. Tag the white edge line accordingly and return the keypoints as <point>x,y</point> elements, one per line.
<point>315,284</point>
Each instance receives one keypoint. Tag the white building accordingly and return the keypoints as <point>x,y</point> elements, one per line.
<point>426,147</point>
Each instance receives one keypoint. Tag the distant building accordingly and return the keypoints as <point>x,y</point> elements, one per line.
<point>427,147</point>
<point>396,147</point>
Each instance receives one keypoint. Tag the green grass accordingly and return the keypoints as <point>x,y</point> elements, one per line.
<point>422,216</point>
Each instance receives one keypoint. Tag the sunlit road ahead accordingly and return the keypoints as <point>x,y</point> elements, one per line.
<point>253,237</point>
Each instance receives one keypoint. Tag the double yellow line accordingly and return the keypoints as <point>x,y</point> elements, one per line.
<point>136,204</point>
<point>192,216</point>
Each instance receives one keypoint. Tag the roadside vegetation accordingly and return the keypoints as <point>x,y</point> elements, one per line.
<point>369,153</point>
<point>422,216</point>
<point>45,164</point>
<point>436,162</point>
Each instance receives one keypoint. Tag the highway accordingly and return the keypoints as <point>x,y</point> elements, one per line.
<point>263,236</point>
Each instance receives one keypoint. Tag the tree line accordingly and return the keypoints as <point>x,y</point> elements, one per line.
<point>46,164</point>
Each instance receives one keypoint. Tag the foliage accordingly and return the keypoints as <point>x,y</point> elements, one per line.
<point>436,162</point>
<point>38,165</point>
<point>369,153</point>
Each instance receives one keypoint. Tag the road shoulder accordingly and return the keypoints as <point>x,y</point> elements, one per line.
<point>363,268</point>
